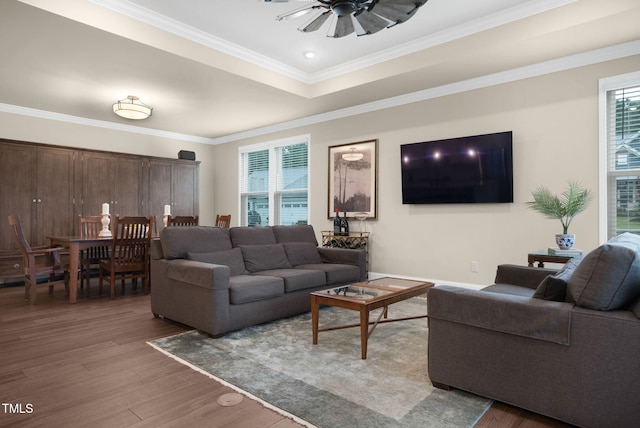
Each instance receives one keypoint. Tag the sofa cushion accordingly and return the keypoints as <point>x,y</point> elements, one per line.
<point>297,279</point>
<point>252,235</point>
<point>628,239</point>
<point>554,287</point>
<point>178,241</point>
<point>300,253</point>
<point>232,258</point>
<point>608,278</point>
<point>249,288</point>
<point>335,273</point>
<point>264,257</point>
<point>299,233</point>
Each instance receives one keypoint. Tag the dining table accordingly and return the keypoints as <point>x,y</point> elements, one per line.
<point>75,244</point>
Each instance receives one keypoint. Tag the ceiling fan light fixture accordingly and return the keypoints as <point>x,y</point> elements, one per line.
<point>132,108</point>
<point>344,7</point>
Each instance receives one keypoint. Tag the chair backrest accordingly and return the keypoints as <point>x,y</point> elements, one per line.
<point>131,240</point>
<point>184,220</point>
<point>223,220</point>
<point>18,235</point>
<point>89,226</point>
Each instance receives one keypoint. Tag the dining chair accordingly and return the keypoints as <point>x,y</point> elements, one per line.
<point>129,253</point>
<point>223,220</point>
<point>90,227</point>
<point>184,220</point>
<point>50,266</point>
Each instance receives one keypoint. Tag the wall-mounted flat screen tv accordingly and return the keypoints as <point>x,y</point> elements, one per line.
<point>466,170</point>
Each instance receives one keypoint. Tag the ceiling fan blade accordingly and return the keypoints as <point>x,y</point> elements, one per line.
<point>343,27</point>
<point>394,12</point>
<point>315,22</point>
<point>370,22</point>
<point>398,10</point>
<point>416,3</point>
<point>299,11</point>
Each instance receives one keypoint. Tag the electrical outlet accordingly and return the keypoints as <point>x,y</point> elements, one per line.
<point>475,266</point>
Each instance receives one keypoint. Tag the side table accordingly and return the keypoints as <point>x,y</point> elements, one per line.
<point>541,257</point>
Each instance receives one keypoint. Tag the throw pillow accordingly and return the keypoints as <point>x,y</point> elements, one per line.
<point>178,241</point>
<point>232,258</point>
<point>302,253</point>
<point>264,257</point>
<point>554,287</point>
<point>608,278</point>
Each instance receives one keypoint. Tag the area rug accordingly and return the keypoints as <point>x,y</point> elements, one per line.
<point>328,385</point>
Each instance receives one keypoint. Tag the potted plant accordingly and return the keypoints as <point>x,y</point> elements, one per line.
<point>565,207</point>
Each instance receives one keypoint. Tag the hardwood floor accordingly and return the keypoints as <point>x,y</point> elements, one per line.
<point>88,364</point>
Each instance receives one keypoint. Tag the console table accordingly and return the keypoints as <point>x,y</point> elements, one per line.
<point>352,241</point>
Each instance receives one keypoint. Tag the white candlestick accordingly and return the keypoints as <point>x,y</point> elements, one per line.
<point>167,210</point>
<point>105,232</point>
<point>105,208</point>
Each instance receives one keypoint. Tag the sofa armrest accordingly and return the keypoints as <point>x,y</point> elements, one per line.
<point>524,276</point>
<point>517,315</point>
<point>201,274</point>
<point>345,256</point>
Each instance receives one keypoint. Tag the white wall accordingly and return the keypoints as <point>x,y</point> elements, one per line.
<point>554,119</point>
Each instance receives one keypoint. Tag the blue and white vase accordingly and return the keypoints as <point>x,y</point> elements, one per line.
<point>565,241</point>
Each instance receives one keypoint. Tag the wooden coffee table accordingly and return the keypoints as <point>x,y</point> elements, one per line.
<point>365,297</point>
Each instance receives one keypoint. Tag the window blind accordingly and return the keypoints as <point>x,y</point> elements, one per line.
<point>274,181</point>
<point>623,160</point>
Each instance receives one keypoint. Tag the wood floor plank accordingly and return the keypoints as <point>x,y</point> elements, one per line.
<point>88,365</point>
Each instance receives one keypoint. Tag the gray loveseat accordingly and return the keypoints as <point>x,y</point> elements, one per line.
<point>218,280</point>
<point>563,344</point>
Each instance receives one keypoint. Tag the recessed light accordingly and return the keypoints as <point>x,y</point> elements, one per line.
<point>309,55</point>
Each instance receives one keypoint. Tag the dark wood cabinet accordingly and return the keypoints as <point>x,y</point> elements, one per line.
<point>55,206</point>
<point>114,179</point>
<point>36,183</point>
<point>175,184</point>
<point>50,186</point>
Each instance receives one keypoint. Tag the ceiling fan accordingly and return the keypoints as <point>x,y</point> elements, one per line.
<point>347,16</point>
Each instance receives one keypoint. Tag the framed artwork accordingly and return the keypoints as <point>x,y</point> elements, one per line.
<point>353,179</point>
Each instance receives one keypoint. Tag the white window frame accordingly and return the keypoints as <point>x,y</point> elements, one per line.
<point>271,146</point>
<point>605,85</point>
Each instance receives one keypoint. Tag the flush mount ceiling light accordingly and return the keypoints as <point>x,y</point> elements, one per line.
<point>352,155</point>
<point>346,16</point>
<point>132,108</point>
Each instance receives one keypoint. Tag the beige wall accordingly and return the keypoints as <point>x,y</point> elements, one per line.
<point>554,119</point>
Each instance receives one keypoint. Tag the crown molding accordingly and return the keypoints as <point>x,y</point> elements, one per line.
<point>77,120</point>
<point>180,29</point>
<point>547,67</point>
<point>469,28</point>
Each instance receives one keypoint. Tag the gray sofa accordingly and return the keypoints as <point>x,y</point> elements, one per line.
<point>563,344</point>
<point>218,280</point>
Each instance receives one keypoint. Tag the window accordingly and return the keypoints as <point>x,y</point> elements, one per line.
<point>620,142</point>
<point>274,183</point>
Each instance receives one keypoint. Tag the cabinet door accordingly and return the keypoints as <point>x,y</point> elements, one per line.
<point>17,190</point>
<point>184,189</point>
<point>55,203</point>
<point>98,175</point>
<point>159,189</point>
<point>127,187</point>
